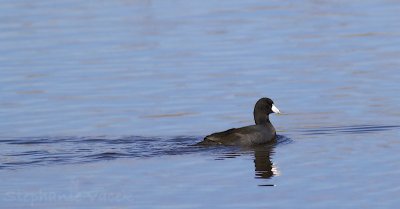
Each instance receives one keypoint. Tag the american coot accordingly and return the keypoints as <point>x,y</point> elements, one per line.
<point>261,133</point>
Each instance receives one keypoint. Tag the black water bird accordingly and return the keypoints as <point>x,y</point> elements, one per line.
<point>261,133</point>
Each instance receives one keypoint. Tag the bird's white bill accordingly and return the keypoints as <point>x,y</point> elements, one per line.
<point>275,110</point>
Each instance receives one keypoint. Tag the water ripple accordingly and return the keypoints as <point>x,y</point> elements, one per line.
<point>36,151</point>
<point>30,151</point>
<point>355,129</point>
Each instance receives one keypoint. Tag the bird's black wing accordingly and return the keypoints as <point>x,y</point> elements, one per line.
<point>219,137</point>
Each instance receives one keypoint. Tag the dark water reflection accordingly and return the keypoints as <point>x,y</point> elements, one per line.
<point>262,162</point>
<point>263,166</point>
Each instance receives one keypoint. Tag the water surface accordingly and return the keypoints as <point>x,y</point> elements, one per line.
<point>101,102</point>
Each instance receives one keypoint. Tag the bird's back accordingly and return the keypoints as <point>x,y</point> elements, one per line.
<point>245,136</point>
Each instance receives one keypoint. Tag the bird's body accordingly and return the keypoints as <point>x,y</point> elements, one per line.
<point>245,136</point>
<point>261,133</point>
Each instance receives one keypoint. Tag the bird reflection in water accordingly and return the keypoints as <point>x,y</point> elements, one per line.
<point>263,166</point>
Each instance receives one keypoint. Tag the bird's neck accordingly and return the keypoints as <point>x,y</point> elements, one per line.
<point>261,119</point>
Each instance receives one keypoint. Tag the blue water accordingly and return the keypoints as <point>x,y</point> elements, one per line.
<point>102,101</point>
